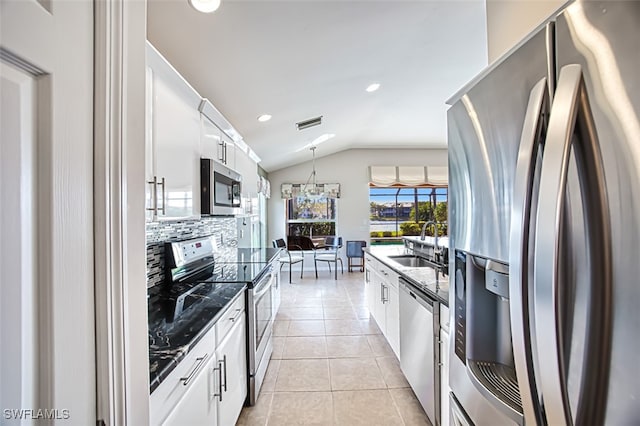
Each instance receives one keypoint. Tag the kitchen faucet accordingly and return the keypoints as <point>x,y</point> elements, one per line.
<point>424,230</point>
<point>436,251</point>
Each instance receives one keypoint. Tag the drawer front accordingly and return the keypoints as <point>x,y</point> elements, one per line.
<point>167,395</point>
<point>368,259</point>
<point>388,275</point>
<point>235,312</point>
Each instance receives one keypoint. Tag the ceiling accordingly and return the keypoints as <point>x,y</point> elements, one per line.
<point>300,59</point>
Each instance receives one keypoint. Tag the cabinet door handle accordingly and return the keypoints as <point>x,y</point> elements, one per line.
<point>233,319</point>
<point>164,200</point>
<point>225,153</point>
<point>219,368</point>
<point>199,363</point>
<point>154,195</point>
<point>224,361</point>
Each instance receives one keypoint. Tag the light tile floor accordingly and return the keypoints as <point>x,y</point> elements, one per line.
<point>330,363</point>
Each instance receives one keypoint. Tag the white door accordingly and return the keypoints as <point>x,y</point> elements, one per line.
<point>46,210</point>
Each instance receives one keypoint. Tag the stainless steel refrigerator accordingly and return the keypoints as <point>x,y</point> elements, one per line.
<point>248,231</point>
<point>544,190</point>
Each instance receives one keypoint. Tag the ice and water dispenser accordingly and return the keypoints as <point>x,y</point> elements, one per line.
<point>483,329</point>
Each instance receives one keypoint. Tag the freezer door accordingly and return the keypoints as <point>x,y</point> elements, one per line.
<point>587,291</point>
<point>485,130</point>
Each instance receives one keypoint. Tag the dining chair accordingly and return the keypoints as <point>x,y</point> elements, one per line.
<point>288,257</point>
<point>303,242</point>
<point>355,251</point>
<point>330,253</point>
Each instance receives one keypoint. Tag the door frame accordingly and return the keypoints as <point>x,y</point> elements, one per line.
<point>122,362</point>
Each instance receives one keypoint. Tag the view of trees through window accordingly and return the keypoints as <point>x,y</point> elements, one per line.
<point>399,211</point>
<point>310,216</point>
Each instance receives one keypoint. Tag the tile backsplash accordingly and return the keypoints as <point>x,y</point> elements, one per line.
<point>157,233</point>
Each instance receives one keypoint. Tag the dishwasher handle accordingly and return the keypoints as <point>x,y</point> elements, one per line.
<point>423,300</point>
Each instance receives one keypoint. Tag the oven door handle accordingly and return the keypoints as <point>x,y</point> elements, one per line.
<point>266,287</point>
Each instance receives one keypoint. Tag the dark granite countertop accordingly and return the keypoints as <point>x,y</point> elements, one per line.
<point>175,328</point>
<point>423,278</point>
<point>247,255</point>
<point>172,334</point>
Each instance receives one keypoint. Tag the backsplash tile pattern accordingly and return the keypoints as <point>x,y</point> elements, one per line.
<point>157,233</point>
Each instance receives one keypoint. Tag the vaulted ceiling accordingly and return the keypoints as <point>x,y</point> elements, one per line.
<point>301,59</point>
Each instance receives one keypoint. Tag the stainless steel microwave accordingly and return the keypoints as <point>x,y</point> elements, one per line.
<point>220,189</point>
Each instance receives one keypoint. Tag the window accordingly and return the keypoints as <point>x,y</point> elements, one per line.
<point>400,211</point>
<point>311,216</point>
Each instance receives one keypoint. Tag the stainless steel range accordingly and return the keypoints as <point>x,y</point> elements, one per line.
<point>258,268</point>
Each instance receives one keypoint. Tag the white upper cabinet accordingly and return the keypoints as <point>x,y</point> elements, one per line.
<point>181,128</point>
<point>223,149</point>
<point>249,171</point>
<point>228,151</point>
<point>210,139</point>
<point>173,142</point>
<point>216,144</point>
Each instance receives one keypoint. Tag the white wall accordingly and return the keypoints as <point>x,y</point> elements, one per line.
<point>349,169</point>
<point>509,21</point>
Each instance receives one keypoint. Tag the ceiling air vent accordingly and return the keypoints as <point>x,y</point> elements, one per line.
<point>309,123</point>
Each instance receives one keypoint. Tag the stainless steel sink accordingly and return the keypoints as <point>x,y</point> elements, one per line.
<point>414,261</point>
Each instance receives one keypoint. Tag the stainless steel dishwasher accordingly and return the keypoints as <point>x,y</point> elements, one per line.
<point>419,353</point>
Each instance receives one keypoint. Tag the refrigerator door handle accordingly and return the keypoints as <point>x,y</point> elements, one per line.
<point>533,132</point>
<point>571,125</point>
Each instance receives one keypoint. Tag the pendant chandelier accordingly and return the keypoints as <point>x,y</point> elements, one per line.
<point>311,189</point>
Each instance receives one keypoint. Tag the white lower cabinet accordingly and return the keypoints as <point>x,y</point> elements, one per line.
<point>392,305</point>
<point>172,393</point>
<point>369,285</point>
<point>198,404</point>
<point>209,386</point>
<point>377,307</point>
<point>383,300</point>
<point>232,374</point>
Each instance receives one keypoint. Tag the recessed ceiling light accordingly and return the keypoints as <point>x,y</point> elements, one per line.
<point>264,117</point>
<point>205,6</point>
<point>373,87</point>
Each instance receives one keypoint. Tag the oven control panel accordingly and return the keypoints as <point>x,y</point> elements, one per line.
<point>185,252</point>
